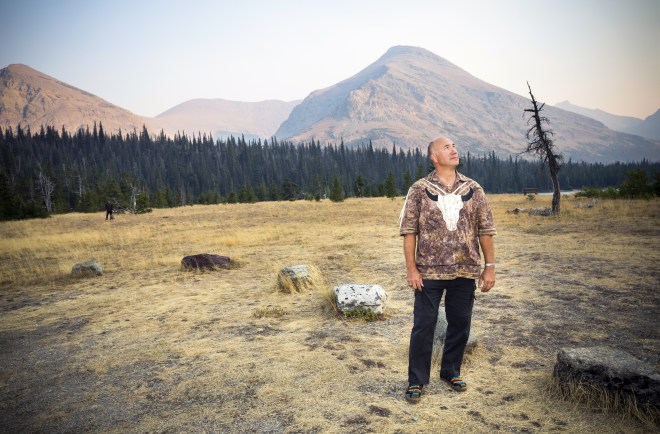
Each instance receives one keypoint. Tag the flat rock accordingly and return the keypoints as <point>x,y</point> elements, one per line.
<point>86,269</point>
<point>205,261</point>
<point>614,370</point>
<point>351,297</point>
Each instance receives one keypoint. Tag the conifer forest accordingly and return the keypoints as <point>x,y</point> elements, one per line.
<point>56,171</point>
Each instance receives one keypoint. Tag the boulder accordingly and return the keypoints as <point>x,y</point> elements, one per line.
<point>86,269</point>
<point>544,212</point>
<point>295,278</point>
<point>614,370</point>
<point>205,261</point>
<point>352,297</point>
<point>441,333</point>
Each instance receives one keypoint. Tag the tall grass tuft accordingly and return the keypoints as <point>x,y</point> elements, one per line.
<point>312,279</point>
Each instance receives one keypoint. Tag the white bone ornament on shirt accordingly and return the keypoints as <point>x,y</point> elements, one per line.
<point>449,204</point>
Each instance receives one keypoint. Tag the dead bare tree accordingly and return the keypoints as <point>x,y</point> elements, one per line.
<point>540,143</point>
<point>135,192</point>
<point>46,188</point>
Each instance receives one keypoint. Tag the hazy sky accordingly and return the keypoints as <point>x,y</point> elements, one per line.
<point>148,56</point>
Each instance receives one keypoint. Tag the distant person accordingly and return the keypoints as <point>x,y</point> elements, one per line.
<point>109,207</point>
<point>445,221</point>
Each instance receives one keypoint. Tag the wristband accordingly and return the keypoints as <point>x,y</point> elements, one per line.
<point>489,264</point>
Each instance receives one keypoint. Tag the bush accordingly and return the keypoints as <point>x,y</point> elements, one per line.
<point>597,193</point>
<point>636,185</point>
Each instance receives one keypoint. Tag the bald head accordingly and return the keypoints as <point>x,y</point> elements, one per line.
<point>435,145</point>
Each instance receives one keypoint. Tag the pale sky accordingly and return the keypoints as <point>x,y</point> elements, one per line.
<point>148,56</point>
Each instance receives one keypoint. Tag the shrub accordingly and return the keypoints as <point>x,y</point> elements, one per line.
<point>597,193</point>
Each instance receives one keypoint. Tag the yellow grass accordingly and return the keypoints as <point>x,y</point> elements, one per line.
<point>147,347</point>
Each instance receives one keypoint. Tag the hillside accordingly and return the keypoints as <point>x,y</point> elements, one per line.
<point>649,127</point>
<point>411,95</point>
<point>31,98</point>
<point>613,122</point>
<point>223,118</point>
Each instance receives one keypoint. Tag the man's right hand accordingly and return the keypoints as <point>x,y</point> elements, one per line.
<point>414,279</point>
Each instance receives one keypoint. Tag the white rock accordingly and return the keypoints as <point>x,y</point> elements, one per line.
<point>360,297</point>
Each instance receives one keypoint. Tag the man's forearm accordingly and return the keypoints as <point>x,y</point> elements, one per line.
<point>487,248</point>
<point>409,244</point>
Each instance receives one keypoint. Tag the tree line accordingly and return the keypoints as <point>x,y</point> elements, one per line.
<point>56,171</point>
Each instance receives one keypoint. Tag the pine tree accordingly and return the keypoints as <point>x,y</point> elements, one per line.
<point>274,191</point>
<point>390,187</point>
<point>336,192</point>
<point>407,181</point>
<point>420,171</point>
<point>360,186</point>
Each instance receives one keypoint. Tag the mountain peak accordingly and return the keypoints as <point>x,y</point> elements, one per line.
<point>411,95</point>
<point>31,98</point>
<point>408,51</point>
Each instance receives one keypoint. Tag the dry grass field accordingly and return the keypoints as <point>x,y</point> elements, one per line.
<point>149,348</point>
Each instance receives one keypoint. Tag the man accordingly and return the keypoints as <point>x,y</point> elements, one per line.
<point>445,221</point>
<point>108,210</point>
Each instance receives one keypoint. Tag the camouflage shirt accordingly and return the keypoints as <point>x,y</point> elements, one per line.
<point>448,225</point>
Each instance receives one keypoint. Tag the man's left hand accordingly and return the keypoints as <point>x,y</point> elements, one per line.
<point>487,279</point>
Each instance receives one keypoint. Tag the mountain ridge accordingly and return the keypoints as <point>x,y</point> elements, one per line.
<point>250,119</point>
<point>648,127</point>
<point>410,95</point>
<point>31,98</point>
<point>406,97</point>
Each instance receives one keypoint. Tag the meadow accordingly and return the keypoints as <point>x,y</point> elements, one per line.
<point>147,347</point>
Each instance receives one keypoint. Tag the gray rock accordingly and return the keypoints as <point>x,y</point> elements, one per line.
<point>352,297</point>
<point>441,333</point>
<point>205,261</point>
<point>545,212</point>
<point>86,269</point>
<point>295,278</point>
<point>614,370</point>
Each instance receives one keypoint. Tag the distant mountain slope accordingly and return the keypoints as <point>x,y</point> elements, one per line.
<point>31,98</point>
<point>613,122</point>
<point>407,97</point>
<point>223,118</point>
<point>649,127</point>
<point>411,95</point>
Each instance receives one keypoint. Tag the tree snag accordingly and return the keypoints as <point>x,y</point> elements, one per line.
<point>540,143</point>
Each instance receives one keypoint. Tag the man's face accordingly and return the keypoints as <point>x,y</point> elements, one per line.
<point>444,154</point>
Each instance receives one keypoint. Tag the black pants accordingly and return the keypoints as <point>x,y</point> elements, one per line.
<point>459,300</point>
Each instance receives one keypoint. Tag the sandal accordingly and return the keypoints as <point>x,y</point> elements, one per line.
<point>414,393</point>
<point>457,384</point>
